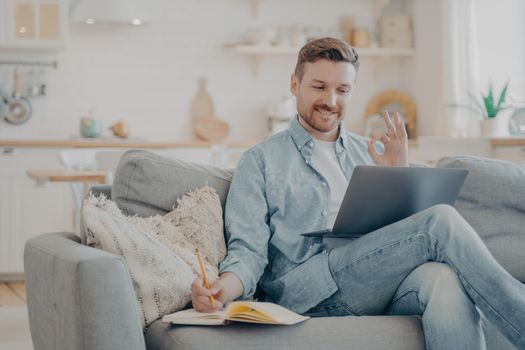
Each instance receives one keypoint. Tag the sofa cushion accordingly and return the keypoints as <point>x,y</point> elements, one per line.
<point>492,200</point>
<point>147,184</point>
<point>159,250</point>
<point>349,332</point>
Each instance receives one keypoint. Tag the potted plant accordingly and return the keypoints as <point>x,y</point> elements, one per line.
<point>488,109</point>
<point>488,124</point>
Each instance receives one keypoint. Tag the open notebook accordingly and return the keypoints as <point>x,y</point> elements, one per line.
<point>240,311</point>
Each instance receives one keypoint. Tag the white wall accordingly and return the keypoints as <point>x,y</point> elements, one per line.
<point>424,71</point>
<point>501,41</point>
<point>147,76</point>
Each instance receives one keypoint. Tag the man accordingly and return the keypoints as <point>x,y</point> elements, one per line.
<point>432,264</point>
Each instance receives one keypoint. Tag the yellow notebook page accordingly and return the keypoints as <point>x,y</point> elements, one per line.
<point>260,312</point>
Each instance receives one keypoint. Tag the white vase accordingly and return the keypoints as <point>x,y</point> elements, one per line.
<point>490,127</point>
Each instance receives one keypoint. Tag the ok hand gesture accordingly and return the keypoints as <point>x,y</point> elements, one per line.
<point>395,141</point>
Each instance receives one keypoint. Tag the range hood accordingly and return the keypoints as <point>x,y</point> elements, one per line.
<point>120,12</point>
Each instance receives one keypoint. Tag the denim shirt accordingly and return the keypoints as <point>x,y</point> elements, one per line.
<point>276,195</point>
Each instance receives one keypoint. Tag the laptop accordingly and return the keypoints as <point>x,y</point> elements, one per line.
<point>379,196</point>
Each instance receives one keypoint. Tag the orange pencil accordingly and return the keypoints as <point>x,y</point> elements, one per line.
<point>212,300</point>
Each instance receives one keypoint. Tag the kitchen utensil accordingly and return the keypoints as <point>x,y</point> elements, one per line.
<point>120,129</point>
<point>202,103</point>
<point>360,37</point>
<point>19,111</point>
<point>211,129</point>
<point>4,107</point>
<point>90,127</point>
<point>206,126</point>
<point>281,114</point>
<point>347,25</point>
<point>19,107</point>
<point>34,89</point>
<point>16,84</point>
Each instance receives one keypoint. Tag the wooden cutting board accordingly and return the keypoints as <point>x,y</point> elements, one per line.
<point>211,129</point>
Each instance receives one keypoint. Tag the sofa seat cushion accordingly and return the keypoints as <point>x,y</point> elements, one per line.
<point>492,200</point>
<point>349,332</point>
<point>147,184</point>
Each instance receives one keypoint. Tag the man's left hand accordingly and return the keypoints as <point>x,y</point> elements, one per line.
<point>395,141</point>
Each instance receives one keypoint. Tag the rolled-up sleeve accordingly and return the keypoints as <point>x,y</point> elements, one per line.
<point>246,221</point>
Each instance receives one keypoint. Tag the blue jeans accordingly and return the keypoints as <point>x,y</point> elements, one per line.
<point>431,264</point>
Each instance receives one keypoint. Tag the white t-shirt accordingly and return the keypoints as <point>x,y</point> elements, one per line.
<point>324,160</point>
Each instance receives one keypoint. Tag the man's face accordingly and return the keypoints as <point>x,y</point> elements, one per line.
<point>323,93</point>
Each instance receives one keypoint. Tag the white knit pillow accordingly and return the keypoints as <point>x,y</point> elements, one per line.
<point>159,250</point>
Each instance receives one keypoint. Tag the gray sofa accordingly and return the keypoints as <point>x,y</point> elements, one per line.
<point>82,298</point>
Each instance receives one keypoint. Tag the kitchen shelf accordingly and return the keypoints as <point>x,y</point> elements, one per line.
<point>257,52</point>
<point>287,50</point>
<point>118,143</point>
<point>379,5</point>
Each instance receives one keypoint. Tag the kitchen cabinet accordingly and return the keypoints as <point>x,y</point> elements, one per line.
<point>36,209</point>
<point>36,25</point>
<point>28,209</point>
<point>4,224</point>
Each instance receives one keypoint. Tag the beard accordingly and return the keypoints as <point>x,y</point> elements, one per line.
<point>322,118</point>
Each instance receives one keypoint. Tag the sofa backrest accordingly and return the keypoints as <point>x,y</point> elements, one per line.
<point>147,184</point>
<point>492,201</point>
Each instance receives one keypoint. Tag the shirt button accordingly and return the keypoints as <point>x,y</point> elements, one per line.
<point>324,184</point>
<point>324,213</point>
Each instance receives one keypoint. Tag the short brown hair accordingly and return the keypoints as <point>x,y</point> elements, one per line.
<point>331,49</point>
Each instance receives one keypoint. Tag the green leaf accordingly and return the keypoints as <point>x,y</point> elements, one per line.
<point>489,107</point>
<point>502,96</point>
<point>489,102</point>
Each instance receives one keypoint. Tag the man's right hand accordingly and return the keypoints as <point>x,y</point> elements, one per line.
<point>224,289</point>
<point>200,295</point>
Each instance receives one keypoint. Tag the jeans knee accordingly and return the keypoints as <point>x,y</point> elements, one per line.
<point>442,285</point>
<point>443,212</point>
<point>445,219</point>
<point>435,273</point>
<point>437,285</point>
<point>443,275</point>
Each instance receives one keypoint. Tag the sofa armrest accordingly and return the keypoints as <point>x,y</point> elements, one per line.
<point>79,297</point>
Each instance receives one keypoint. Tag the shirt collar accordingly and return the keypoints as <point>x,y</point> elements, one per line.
<point>301,137</point>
